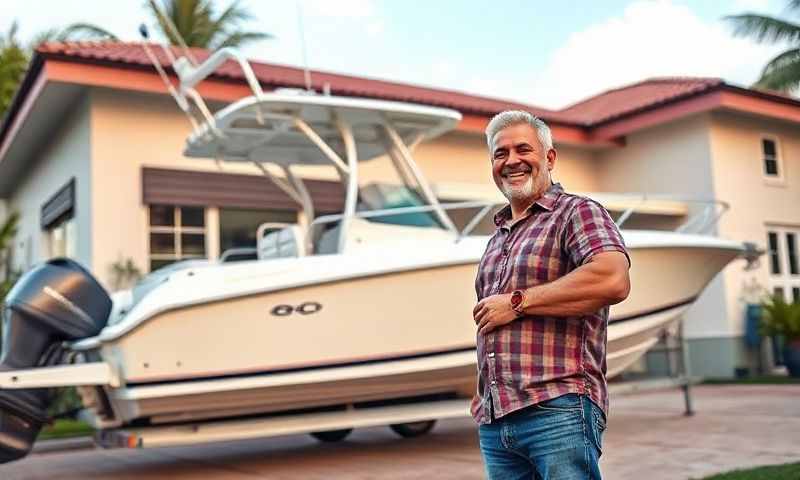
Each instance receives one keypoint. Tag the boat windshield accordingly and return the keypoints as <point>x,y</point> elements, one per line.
<point>387,197</point>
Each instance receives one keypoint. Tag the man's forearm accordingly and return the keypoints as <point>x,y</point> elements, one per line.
<point>586,289</point>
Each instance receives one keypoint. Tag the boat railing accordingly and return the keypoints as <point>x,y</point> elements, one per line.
<point>698,222</point>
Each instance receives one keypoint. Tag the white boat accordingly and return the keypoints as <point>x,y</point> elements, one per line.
<point>365,311</point>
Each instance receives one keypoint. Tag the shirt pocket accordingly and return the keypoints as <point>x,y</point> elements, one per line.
<point>539,259</point>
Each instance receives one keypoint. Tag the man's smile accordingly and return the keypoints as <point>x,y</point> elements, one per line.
<point>516,175</point>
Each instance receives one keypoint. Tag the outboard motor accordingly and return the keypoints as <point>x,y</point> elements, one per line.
<point>54,302</point>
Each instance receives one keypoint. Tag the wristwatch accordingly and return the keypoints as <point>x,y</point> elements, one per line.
<point>517,297</point>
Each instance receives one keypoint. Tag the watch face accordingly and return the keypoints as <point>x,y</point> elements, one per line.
<point>516,298</point>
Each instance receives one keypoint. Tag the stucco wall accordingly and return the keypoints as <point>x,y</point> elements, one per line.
<point>671,158</point>
<point>463,158</point>
<point>755,201</point>
<point>63,156</point>
<point>674,158</point>
<point>130,131</point>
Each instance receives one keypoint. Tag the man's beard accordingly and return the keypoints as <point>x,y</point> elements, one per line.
<point>519,193</point>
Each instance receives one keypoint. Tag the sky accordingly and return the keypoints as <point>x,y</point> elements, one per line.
<point>547,54</point>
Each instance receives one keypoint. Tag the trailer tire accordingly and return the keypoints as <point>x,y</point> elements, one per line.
<point>413,429</point>
<point>332,436</point>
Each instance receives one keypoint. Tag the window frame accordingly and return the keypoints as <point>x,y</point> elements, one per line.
<point>780,178</point>
<point>177,230</point>
<point>785,280</point>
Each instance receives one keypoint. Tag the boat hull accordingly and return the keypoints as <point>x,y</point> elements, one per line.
<point>195,362</point>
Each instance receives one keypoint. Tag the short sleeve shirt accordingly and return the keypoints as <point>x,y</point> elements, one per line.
<point>537,358</point>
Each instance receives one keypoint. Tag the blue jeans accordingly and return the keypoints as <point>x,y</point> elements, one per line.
<point>560,439</point>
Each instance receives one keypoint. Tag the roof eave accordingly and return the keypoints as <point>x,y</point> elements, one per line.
<point>28,81</point>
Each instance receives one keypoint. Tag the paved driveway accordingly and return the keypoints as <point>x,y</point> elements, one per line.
<point>648,438</point>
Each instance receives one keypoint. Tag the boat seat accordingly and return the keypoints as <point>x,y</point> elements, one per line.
<point>328,242</point>
<point>284,243</point>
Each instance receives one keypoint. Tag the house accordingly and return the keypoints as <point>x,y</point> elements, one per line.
<point>90,155</point>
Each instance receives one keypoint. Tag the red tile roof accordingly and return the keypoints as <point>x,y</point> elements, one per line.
<point>599,109</point>
<point>133,55</point>
<point>637,97</point>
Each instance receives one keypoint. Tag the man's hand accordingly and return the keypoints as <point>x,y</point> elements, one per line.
<point>492,312</point>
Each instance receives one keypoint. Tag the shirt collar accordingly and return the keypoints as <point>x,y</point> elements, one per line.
<point>546,201</point>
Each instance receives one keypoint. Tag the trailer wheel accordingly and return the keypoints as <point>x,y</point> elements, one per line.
<point>413,429</point>
<point>332,435</point>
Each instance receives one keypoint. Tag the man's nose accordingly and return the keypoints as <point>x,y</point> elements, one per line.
<point>513,159</point>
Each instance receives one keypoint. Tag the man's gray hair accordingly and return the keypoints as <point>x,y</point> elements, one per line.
<point>516,117</point>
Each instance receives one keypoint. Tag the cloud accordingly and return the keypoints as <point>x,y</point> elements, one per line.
<point>375,28</point>
<point>339,8</point>
<point>751,6</point>
<point>651,38</point>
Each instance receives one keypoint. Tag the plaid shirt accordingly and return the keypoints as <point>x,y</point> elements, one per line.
<point>537,358</point>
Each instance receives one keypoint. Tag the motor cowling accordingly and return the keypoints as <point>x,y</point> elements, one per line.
<point>54,302</point>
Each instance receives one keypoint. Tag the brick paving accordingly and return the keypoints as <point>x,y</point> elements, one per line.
<point>648,437</point>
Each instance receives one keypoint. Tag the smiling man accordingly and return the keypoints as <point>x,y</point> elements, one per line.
<point>550,271</point>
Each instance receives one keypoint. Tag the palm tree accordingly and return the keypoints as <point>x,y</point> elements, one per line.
<point>14,57</point>
<point>200,26</point>
<point>782,72</point>
<point>196,21</point>
<point>13,63</point>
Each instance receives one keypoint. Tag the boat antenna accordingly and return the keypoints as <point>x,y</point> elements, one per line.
<point>306,71</point>
<point>157,65</point>
<point>165,20</point>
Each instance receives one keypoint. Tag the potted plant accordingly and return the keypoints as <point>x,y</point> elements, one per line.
<point>781,318</point>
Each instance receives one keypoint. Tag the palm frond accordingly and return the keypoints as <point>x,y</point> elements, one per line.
<point>199,24</point>
<point>10,38</point>
<point>780,318</point>
<point>8,230</point>
<point>238,39</point>
<point>231,17</point>
<point>49,35</point>
<point>83,31</point>
<point>13,65</point>
<point>764,28</point>
<point>782,72</point>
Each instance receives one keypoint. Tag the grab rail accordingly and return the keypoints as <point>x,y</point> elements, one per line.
<point>698,223</point>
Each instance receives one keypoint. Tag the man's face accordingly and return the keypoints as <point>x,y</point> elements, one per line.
<point>520,166</point>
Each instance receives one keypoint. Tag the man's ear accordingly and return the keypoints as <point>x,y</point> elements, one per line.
<point>551,158</point>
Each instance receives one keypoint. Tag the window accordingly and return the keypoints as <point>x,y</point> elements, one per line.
<point>58,222</point>
<point>176,233</point>
<point>791,252</point>
<point>784,265</point>
<point>774,254</point>
<point>771,158</point>
<point>61,241</point>
<point>238,226</point>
